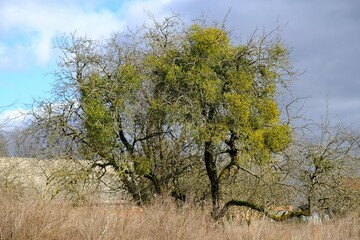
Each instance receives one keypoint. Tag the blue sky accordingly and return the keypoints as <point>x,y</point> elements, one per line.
<point>27,30</point>
<point>324,36</point>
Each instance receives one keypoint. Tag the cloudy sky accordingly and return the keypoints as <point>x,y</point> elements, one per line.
<point>324,36</point>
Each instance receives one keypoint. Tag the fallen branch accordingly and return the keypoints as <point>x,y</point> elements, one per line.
<point>286,215</point>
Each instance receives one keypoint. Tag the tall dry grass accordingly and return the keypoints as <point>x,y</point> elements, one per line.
<point>161,220</point>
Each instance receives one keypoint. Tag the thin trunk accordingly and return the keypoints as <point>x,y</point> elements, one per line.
<point>211,170</point>
<point>210,163</point>
<point>155,181</point>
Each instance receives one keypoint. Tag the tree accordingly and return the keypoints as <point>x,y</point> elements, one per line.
<point>103,102</point>
<point>325,159</point>
<point>170,102</point>
<point>225,93</point>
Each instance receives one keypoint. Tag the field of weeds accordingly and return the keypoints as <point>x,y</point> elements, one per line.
<point>23,216</point>
<point>161,220</point>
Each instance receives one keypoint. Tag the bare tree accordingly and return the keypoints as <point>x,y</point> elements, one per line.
<point>319,163</point>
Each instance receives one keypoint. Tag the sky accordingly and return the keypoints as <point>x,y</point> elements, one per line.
<point>323,36</point>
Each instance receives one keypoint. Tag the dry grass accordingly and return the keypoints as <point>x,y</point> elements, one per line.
<point>44,219</point>
<point>162,220</point>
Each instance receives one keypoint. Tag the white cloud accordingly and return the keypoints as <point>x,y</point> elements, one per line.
<point>136,11</point>
<point>35,23</point>
<point>13,119</point>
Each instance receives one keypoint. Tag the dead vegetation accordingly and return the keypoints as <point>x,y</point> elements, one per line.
<point>160,220</point>
<point>25,216</point>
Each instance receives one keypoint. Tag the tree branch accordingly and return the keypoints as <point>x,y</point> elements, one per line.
<point>268,213</point>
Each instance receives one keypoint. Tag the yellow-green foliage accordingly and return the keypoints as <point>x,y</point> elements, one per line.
<point>103,100</point>
<point>207,41</point>
<point>142,166</point>
<point>224,90</point>
<point>278,137</point>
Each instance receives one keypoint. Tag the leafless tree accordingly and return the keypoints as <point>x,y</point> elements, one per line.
<point>319,161</point>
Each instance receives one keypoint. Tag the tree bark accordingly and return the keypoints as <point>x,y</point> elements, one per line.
<point>211,170</point>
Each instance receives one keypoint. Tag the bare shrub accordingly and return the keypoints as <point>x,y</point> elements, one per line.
<point>70,180</point>
<point>10,182</point>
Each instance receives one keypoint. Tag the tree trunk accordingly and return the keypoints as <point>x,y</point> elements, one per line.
<point>211,170</point>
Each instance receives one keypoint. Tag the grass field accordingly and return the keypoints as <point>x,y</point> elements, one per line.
<point>39,218</point>
<point>162,220</point>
